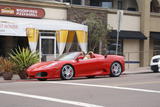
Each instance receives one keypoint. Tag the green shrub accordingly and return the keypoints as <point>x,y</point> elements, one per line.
<point>23,58</point>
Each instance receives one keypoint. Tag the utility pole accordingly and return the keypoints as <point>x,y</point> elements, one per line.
<point>119,17</point>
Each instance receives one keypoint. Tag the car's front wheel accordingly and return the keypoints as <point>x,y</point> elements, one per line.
<point>116,69</point>
<point>67,72</point>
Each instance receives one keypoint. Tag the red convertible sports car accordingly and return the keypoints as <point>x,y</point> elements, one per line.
<point>74,64</point>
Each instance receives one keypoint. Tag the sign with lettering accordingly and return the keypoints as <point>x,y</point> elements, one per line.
<point>21,11</point>
<point>12,29</point>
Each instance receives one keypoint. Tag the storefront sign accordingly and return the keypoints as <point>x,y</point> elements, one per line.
<point>22,11</point>
<point>12,29</point>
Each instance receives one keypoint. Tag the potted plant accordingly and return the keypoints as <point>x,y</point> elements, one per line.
<point>23,58</point>
<point>1,70</point>
<point>7,68</point>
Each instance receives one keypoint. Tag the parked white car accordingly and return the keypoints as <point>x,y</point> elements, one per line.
<point>155,63</point>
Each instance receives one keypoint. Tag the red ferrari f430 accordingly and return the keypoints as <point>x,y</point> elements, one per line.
<point>74,64</point>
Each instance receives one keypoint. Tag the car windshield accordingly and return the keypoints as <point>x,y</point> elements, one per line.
<point>67,56</point>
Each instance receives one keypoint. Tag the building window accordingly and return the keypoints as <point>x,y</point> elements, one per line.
<point>77,2</point>
<point>111,47</point>
<point>94,3</point>
<point>102,3</point>
<point>67,1</point>
<point>120,4</point>
<point>107,5</point>
<point>155,7</point>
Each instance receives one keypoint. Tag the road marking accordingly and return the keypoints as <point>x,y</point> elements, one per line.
<point>50,99</point>
<point>137,83</point>
<point>99,86</point>
<point>106,86</point>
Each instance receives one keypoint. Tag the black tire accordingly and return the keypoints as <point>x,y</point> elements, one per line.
<point>42,79</point>
<point>154,68</point>
<point>115,69</point>
<point>155,71</point>
<point>67,72</point>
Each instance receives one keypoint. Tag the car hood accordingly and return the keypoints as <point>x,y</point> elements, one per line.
<point>43,65</point>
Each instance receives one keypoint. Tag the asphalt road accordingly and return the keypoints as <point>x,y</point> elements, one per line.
<point>128,90</point>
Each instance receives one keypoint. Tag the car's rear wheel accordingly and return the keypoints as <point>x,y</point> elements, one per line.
<point>42,79</point>
<point>67,72</point>
<point>115,69</point>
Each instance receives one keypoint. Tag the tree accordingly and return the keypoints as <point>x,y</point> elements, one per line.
<point>97,31</point>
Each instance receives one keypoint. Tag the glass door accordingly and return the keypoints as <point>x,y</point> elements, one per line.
<point>47,48</point>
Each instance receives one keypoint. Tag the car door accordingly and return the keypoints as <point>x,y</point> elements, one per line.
<point>86,67</point>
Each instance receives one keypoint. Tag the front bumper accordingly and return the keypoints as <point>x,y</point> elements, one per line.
<point>48,74</point>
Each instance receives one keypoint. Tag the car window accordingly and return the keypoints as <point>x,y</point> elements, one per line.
<point>68,56</point>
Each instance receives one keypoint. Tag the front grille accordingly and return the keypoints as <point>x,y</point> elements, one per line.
<point>41,74</point>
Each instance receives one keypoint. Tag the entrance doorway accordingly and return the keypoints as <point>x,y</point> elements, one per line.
<point>47,46</point>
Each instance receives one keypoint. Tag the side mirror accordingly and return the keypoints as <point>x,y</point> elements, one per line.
<point>79,58</point>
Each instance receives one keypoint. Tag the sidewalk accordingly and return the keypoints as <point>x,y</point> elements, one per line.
<point>14,79</point>
<point>128,71</point>
<point>138,70</point>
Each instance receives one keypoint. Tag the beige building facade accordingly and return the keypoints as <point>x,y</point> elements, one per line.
<point>140,17</point>
<point>11,41</point>
<point>41,26</point>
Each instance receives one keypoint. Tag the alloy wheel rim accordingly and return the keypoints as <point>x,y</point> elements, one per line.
<point>67,72</point>
<point>116,69</point>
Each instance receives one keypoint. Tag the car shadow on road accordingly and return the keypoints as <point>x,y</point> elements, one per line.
<point>85,78</point>
<point>131,73</point>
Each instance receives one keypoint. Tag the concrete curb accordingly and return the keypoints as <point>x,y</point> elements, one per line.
<point>139,70</point>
